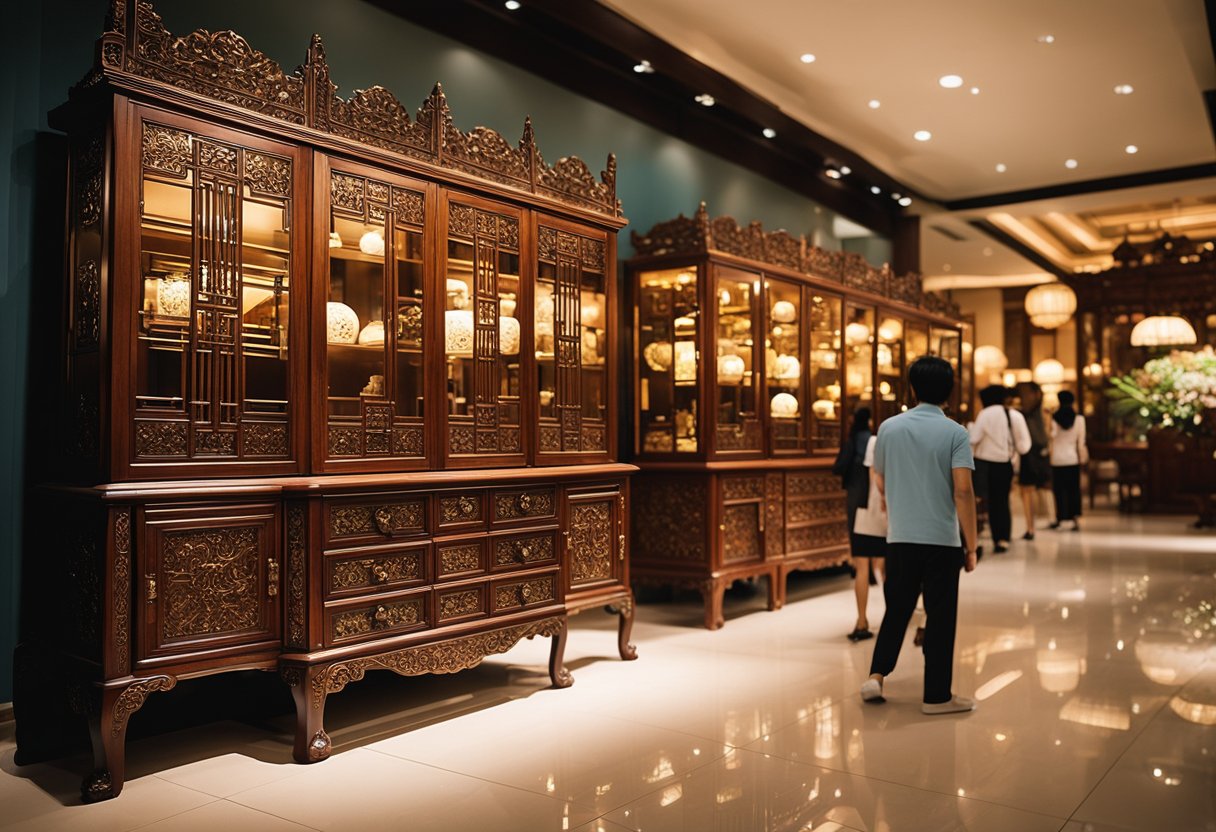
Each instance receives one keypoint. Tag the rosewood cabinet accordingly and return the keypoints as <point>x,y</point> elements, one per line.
<point>341,383</point>
<point>751,353</point>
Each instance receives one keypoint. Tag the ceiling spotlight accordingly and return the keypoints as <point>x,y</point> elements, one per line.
<point>1071,164</point>
<point>807,58</point>
<point>769,133</point>
<point>1124,89</point>
<point>951,82</point>
<point>906,201</point>
<point>895,197</point>
<point>922,135</point>
<point>1131,148</point>
<point>874,189</point>
<point>875,103</point>
<point>643,68</point>
<point>1000,167</point>
<point>832,173</point>
<point>705,100</point>
<point>975,90</point>
<point>1046,39</point>
<point>512,5</point>
<point>846,170</point>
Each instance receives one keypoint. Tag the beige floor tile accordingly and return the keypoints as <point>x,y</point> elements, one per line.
<point>223,815</point>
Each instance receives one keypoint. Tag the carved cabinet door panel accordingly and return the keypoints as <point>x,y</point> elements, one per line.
<point>573,336</point>
<point>596,545</point>
<point>742,518</point>
<point>208,578</point>
<point>209,283</point>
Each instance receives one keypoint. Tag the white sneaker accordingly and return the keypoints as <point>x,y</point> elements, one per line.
<point>871,691</point>
<point>957,705</point>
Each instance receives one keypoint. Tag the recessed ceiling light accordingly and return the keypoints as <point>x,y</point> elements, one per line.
<point>951,82</point>
<point>922,135</point>
<point>874,189</point>
<point>643,67</point>
<point>875,103</point>
<point>895,197</point>
<point>1124,89</point>
<point>807,58</point>
<point>906,201</point>
<point>1071,164</point>
<point>975,90</point>
<point>705,100</point>
<point>1131,148</point>
<point>769,133</point>
<point>512,5</point>
<point>846,170</point>
<point>1000,167</point>
<point>832,173</point>
<point>1047,39</point>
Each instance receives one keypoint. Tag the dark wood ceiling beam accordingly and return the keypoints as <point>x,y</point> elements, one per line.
<point>590,49</point>
<point>1088,186</point>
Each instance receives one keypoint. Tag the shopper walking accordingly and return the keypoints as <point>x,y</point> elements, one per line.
<point>922,465</point>
<point>854,476</point>
<point>1034,472</point>
<point>998,436</point>
<point>1068,453</point>
<point>868,537</point>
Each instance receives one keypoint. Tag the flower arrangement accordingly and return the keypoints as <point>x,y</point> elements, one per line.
<point>1176,391</point>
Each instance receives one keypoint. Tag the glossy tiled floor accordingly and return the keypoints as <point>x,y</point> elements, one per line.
<point>1093,655</point>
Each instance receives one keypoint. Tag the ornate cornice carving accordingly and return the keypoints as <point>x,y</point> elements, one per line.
<point>223,66</point>
<point>701,235</point>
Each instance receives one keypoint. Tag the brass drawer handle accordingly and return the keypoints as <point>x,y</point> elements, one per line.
<point>384,520</point>
<point>468,506</point>
<point>150,583</point>
<point>380,617</point>
<point>524,502</point>
<point>379,573</point>
<point>272,577</point>
<point>525,552</point>
<point>525,592</point>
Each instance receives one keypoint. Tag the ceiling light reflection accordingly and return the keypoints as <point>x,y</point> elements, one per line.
<point>807,58</point>
<point>875,104</point>
<point>951,82</point>
<point>997,684</point>
<point>922,135</point>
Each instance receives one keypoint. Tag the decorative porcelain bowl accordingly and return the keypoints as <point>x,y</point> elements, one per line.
<point>658,356</point>
<point>341,323</point>
<point>372,335</point>
<point>508,335</point>
<point>730,369</point>
<point>372,243</point>
<point>784,312</point>
<point>784,406</point>
<point>458,332</point>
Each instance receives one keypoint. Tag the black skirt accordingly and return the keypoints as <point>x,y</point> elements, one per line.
<point>1035,470</point>
<point>867,545</point>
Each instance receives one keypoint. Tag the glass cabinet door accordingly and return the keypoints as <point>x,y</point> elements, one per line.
<point>947,342</point>
<point>859,360</point>
<point>374,318</point>
<point>212,375</point>
<point>736,415</point>
<point>482,334</point>
<point>966,372</point>
<point>916,340</point>
<point>890,362</point>
<point>826,371</point>
<point>784,357</point>
<point>571,340</point>
<point>667,358</point>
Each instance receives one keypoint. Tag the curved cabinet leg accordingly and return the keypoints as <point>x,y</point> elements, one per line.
<point>625,628</point>
<point>776,589</point>
<point>712,592</point>
<point>557,669</point>
<point>108,711</point>
<point>312,744</point>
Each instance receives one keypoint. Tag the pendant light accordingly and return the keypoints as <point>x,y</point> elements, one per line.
<point>1050,305</point>
<point>1163,331</point>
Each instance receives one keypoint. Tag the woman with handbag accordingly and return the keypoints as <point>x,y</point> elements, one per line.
<point>869,543</point>
<point>1034,473</point>
<point>1068,453</point>
<point>855,478</point>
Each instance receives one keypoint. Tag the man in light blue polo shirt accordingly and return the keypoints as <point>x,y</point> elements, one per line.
<point>923,467</point>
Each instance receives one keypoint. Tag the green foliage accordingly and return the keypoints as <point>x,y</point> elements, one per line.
<point>1176,391</point>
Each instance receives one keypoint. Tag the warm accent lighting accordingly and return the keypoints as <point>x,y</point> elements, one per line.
<point>1131,148</point>
<point>1050,305</point>
<point>906,201</point>
<point>975,90</point>
<point>807,58</point>
<point>989,359</point>
<point>1049,371</point>
<point>845,170</point>
<point>1163,331</point>
<point>951,82</point>
<point>643,68</point>
<point>1071,164</point>
<point>769,133</point>
<point>512,5</point>
<point>1000,167</point>
<point>705,100</point>
<point>874,189</point>
<point>1048,39</point>
<point>922,135</point>
<point>832,173</point>
<point>458,332</point>
<point>875,103</point>
<point>1124,89</point>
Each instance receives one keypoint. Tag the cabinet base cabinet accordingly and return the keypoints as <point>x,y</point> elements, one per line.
<point>321,580</point>
<point>702,529</point>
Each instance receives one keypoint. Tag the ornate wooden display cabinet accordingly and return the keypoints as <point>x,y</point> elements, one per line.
<point>341,387</point>
<point>751,351</point>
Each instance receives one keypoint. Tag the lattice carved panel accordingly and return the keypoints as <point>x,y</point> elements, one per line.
<point>212,581</point>
<point>592,541</point>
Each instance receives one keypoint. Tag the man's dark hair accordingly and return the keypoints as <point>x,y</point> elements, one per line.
<point>932,379</point>
<point>861,420</point>
<point>993,394</point>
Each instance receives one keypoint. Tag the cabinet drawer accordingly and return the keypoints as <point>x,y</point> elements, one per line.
<point>524,504</point>
<point>523,551</point>
<point>524,593</point>
<point>394,568</point>
<point>372,518</point>
<point>462,603</point>
<point>376,617</point>
<point>460,510</point>
<point>460,558</point>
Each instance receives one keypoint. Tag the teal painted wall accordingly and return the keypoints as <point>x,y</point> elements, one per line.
<point>49,46</point>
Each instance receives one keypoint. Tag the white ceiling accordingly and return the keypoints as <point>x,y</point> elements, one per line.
<point>1039,104</point>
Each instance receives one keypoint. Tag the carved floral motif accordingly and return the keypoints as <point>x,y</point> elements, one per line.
<point>669,514</point>
<point>213,579</point>
<point>122,589</point>
<point>386,569</point>
<point>88,305</point>
<point>387,616</point>
<point>522,551</point>
<point>741,532</point>
<point>297,565</point>
<point>527,504</point>
<point>591,541</point>
<point>265,439</point>
<point>511,596</point>
<point>456,559</point>
<point>268,174</point>
<point>160,438</point>
<point>90,167</point>
<point>458,604</point>
<point>133,697</point>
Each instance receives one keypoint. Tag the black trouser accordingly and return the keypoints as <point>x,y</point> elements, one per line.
<point>913,568</point>
<point>993,481</point>
<point>1066,485</point>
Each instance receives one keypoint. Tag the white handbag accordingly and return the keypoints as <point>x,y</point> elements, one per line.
<point>871,520</point>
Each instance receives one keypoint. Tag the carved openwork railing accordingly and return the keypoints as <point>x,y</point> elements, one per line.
<point>699,234</point>
<point>224,67</point>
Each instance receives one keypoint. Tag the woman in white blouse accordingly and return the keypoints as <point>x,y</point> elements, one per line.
<point>1068,454</point>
